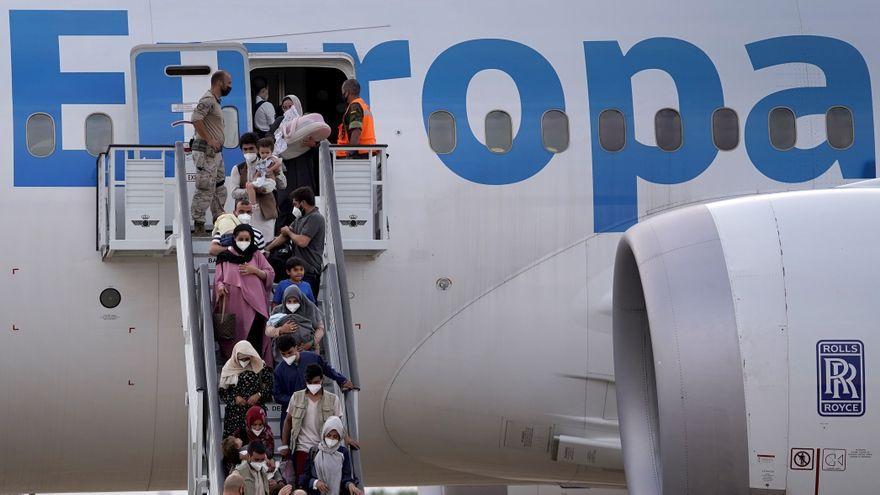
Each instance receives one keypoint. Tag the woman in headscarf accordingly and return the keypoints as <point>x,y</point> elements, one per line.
<point>245,381</point>
<point>242,281</point>
<point>299,171</point>
<point>328,470</point>
<point>297,315</point>
<point>257,428</point>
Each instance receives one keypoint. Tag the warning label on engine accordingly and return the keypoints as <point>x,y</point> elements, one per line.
<point>833,459</point>
<point>802,460</point>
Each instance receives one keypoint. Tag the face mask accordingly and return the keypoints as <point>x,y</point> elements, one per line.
<point>258,466</point>
<point>314,388</point>
<point>244,363</point>
<point>225,91</point>
<point>257,431</point>
<point>331,442</point>
<point>292,307</point>
<point>289,360</point>
<point>249,157</point>
<point>243,245</point>
<point>297,212</point>
<point>244,218</point>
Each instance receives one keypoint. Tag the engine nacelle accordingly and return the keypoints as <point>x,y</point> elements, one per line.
<point>741,330</point>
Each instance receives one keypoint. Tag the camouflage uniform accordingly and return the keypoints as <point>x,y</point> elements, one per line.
<point>210,172</point>
<point>353,119</point>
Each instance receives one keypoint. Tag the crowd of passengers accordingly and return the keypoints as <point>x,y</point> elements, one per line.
<point>269,258</point>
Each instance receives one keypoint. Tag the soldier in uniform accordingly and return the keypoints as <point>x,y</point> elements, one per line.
<point>207,143</point>
<point>357,123</point>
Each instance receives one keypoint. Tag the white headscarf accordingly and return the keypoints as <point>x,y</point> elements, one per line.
<point>292,113</point>
<point>328,461</point>
<point>232,368</point>
<point>296,103</point>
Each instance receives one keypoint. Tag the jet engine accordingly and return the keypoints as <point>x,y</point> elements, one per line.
<point>740,335</point>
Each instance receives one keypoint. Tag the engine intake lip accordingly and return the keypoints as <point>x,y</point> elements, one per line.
<point>680,395</point>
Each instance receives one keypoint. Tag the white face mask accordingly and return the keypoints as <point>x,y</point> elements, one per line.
<point>297,212</point>
<point>244,218</point>
<point>257,431</point>
<point>249,157</point>
<point>289,360</point>
<point>244,363</point>
<point>243,245</point>
<point>292,307</point>
<point>258,466</point>
<point>331,442</point>
<point>314,388</point>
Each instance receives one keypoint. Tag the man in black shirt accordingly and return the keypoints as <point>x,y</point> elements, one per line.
<point>306,234</point>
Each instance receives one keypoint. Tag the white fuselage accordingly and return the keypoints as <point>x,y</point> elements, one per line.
<point>452,380</point>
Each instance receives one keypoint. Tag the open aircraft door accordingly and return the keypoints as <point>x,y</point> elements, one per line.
<point>167,82</point>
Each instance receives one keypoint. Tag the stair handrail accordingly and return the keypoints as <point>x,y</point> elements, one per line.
<point>198,481</point>
<point>213,426</point>
<point>338,310</point>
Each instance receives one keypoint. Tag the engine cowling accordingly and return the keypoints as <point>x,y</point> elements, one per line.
<point>740,334</point>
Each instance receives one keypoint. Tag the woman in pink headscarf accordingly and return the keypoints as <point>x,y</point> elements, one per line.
<point>243,281</point>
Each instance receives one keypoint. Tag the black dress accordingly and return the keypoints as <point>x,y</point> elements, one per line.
<point>249,383</point>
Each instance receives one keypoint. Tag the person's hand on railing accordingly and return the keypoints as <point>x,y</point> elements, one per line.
<point>348,386</point>
<point>322,487</point>
<point>287,490</point>
<point>354,490</point>
<point>352,443</point>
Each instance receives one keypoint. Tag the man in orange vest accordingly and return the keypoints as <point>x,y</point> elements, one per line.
<point>357,123</point>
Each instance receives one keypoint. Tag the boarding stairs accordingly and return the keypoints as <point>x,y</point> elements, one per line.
<point>135,179</point>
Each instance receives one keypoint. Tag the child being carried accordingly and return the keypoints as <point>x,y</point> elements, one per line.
<point>266,170</point>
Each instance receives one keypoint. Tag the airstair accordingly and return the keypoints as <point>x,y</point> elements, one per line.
<point>141,211</point>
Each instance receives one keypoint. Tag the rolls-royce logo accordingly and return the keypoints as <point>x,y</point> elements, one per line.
<point>145,221</point>
<point>841,368</point>
<point>352,221</point>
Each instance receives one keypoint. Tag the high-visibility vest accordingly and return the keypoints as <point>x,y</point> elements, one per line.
<point>368,132</point>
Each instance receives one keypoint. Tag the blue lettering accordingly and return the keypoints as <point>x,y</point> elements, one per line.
<point>388,60</point>
<point>848,83</point>
<point>445,88</point>
<point>157,92</point>
<point>39,86</point>
<point>609,73</point>
<point>266,47</point>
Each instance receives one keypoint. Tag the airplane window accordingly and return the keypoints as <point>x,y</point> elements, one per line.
<point>230,127</point>
<point>99,133</point>
<point>554,131</point>
<point>499,131</point>
<point>725,129</point>
<point>40,133</point>
<point>783,128</point>
<point>839,126</point>
<point>612,130</point>
<point>441,132</point>
<point>667,129</point>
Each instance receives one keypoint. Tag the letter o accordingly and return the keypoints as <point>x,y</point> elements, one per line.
<point>445,88</point>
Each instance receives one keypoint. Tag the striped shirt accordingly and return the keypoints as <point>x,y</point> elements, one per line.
<point>258,238</point>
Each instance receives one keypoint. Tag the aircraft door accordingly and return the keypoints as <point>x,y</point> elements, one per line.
<point>167,82</point>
